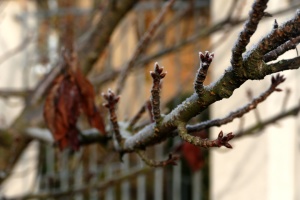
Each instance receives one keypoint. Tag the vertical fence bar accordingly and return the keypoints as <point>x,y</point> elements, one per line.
<point>125,186</point>
<point>109,193</point>
<point>141,185</point>
<point>64,170</point>
<point>197,185</point>
<point>176,182</point>
<point>78,174</point>
<point>158,175</point>
<point>50,160</point>
<point>93,170</point>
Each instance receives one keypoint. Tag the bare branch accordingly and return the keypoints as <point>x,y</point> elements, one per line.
<point>222,88</point>
<point>198,141</point>
<point>139,114</point>
<point>99,186</point>
<point>157,75</point>
<point>94,45</point>
<point>112,100</point>
<point>204,32</point>
<point>250,27</point>
<point>241,111</point>
<point>273,55</point>
<point>260,126</point>
<point>14,93</point>
<point>282,65</point>
<point>16,50</point>
<point>205,60</point>
<point>276,37</point>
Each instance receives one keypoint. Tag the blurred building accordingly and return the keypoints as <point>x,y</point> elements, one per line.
<point>264,165</point>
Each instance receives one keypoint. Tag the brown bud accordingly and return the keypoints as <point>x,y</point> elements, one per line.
<point>228,145</point>
<point>220,136</point>
<point>162,75</point>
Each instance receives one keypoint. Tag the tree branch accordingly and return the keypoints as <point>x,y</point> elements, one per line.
<point>250,27</point>
<point>241,111</point>
<point>97,41</point>
<point>222,88</point>
<point>99,186</point>
<point>157,76</point>
<point>112,100</point>
<point>273,55</point>
<point>260,126</point>
<point>198,141</point>
<point>204,32</point>
<point>205,60</point>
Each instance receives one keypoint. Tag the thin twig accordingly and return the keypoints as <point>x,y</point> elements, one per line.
<point>14,93</point>
<point>231,9</point>
<point>256,111</point>
<point>286,98</point>
<point>277,37</point>
<point>99,186</point>
<point>157,75</point>
<point>205,60</point>
<point>16,50</point>
<point>255,15</point>
<point>142,45</point>
<point>112,100</point>
<point>291,44</point>
<point>259,127</point>
<point>198,141</point>
<point>241,111</point>
<point>138,115</point>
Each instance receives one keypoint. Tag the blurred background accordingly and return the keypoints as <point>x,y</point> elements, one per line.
<point>264,164</point>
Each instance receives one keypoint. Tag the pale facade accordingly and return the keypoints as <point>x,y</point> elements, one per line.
<point>265,165</point>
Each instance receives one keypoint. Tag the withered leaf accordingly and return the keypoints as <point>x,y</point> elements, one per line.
<point>71,94</point>
<point>62,111</point>
<point>88,102</point>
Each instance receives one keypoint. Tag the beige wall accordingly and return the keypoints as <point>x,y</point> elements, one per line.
<point>15,74</point>
<point>264,166</point>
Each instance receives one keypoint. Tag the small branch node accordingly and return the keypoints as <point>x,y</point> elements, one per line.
<point>157,75</point>
<point>205,60</point>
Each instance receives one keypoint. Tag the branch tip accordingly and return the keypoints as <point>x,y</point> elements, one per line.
<point>112,100</point>
<point>275,25</point>
<point>205,60</point>
<point>278,79</point>
<point>205,143</point>
<point>156,75</point>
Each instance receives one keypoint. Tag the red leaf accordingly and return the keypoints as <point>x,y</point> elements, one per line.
<point>50,106</point>
<point>61,112</point>
<point>70,95</point>
<point>193,155</point>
